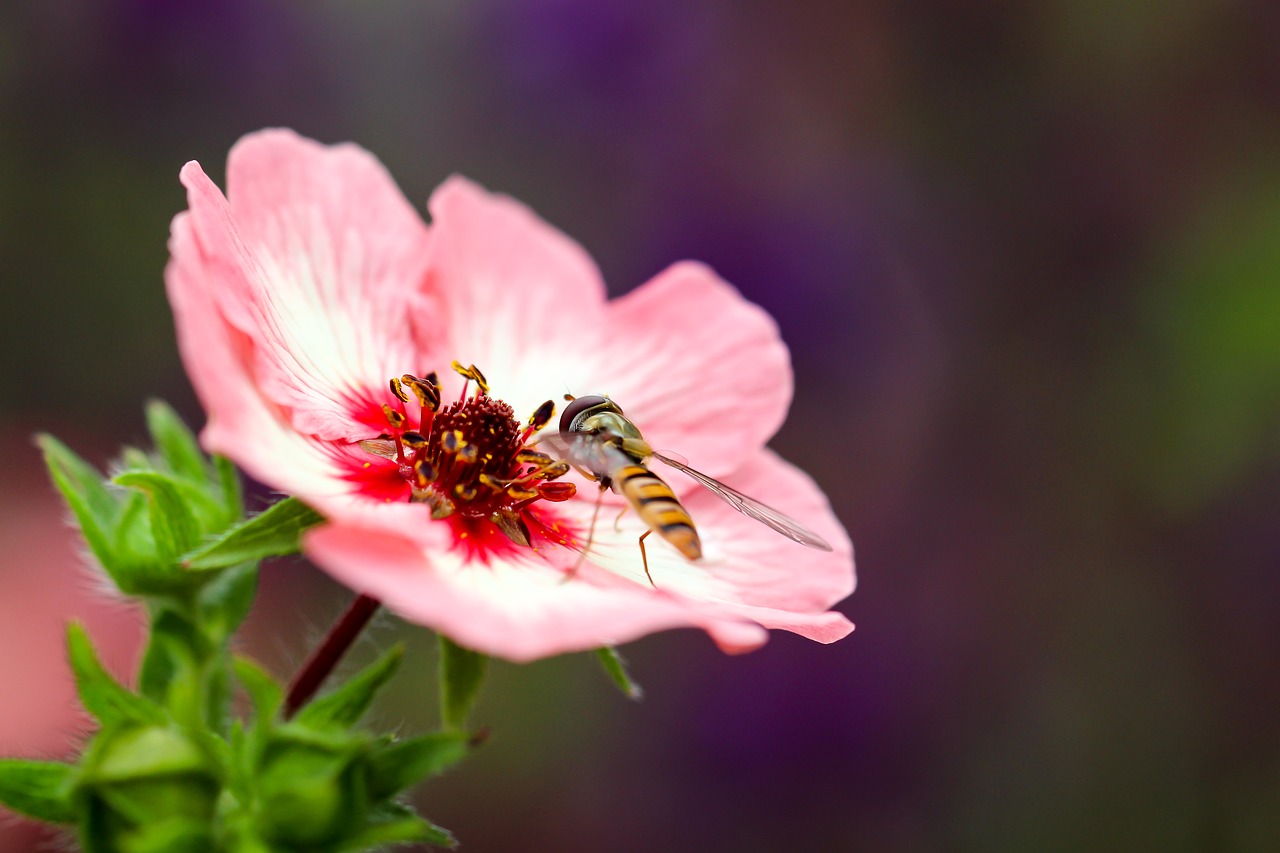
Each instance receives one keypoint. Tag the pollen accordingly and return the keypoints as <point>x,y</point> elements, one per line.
<point>469,460</point>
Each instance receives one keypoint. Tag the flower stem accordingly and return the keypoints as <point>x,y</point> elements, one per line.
<point>329,653</point>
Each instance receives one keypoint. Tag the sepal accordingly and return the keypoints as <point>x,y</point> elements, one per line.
<point>141,785</point>
<point>616,668</point>
<point>38,789</point>
<point>97,510</point>
<point>274,532</point>
<point>311,787</point>
<point>406,828</point>
<point>156,507</point>
<point>398,765</point>
<point>174,530</point>
<point>102,696</point>
<point>345,706</point>
<point>461,674</point>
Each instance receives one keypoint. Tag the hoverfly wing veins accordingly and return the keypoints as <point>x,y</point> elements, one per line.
<point>751,507</point>
<point>383,447</point>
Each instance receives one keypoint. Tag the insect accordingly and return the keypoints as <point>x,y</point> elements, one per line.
<point>605,445</point>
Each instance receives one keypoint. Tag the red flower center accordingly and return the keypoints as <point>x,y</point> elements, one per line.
<point>471,462</point>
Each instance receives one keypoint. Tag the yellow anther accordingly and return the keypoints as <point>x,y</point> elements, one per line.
<point>473,373</point>
<point>452,441</point>
<point>427,392</point>
<point>398,390</point>
<point>543,415</point>
<point>479,378</point>
<point>555,469</point>
<point>393,417</point>
<point>520,493</point>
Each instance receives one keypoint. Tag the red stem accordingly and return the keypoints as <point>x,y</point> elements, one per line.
<point>329,653</point>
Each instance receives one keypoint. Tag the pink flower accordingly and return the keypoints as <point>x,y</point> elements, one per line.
<point>313,284</point>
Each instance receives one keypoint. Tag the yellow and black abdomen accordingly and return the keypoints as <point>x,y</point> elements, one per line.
<point>659,508</point>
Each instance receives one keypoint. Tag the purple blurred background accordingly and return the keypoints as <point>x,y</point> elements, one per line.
<point>1027,257</point>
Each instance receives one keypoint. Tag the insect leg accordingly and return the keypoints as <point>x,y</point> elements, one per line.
<point>591,532</point>
<point>617,522</point>
<point>644,558</point>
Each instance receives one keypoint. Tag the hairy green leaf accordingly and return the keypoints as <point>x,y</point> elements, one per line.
<point>173,524</point>
<point>274,532</point>
<point>404,763</point>
<point>346,705</point>
<point>38,789</point>
<point>103,696</point>
<point>176,444</point>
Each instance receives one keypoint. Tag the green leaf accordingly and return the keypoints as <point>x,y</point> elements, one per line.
<point>38,789</point>
<point>101,695</point>
<point>175,443</point>
<point>88,496</point>
<point>461,676</point>
<point>345,706</point>
<point>272,533</point>
<point>406,829</point>
<point>173,525</point>
<point>265,693</point>
<point>616,668</point>
<point>404,763</point>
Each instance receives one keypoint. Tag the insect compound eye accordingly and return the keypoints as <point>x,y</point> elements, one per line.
<point>576,411</point>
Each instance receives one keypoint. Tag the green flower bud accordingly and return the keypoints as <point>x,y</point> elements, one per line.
<point>312,790</point>
<point>137,777</point>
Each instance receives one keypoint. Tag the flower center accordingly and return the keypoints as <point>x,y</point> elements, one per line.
<point>470,460</point>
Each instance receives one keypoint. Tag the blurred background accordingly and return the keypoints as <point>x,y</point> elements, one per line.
<point>1027,258</point>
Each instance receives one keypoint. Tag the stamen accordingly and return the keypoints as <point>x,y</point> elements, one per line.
<point>393,417</point>
<point>470,460</point>
<point>519,493</point>
<point>543,415</point>
<point>452,441</point>
<point>471,374</point>
<point>480,380</point>
<point>426,390</point>
<point>557,492</point>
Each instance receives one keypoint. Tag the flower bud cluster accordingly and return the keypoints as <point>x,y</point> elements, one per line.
<point>169,770</point>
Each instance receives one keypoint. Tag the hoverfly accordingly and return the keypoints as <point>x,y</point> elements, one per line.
<point>606,446</point>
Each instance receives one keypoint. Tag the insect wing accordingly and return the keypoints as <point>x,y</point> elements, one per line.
<point>751,507</point>
<point>379,447</point>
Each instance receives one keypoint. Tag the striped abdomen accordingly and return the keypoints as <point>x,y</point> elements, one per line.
<point>659,508</point>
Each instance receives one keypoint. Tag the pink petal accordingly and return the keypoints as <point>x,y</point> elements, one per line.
<point>241,424</point>
<point>752,578</point>
<point>700,370</point>
<point>319,259</point>
<point>747,568</point>
<point>516,297</point>
<point>519,611</point>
